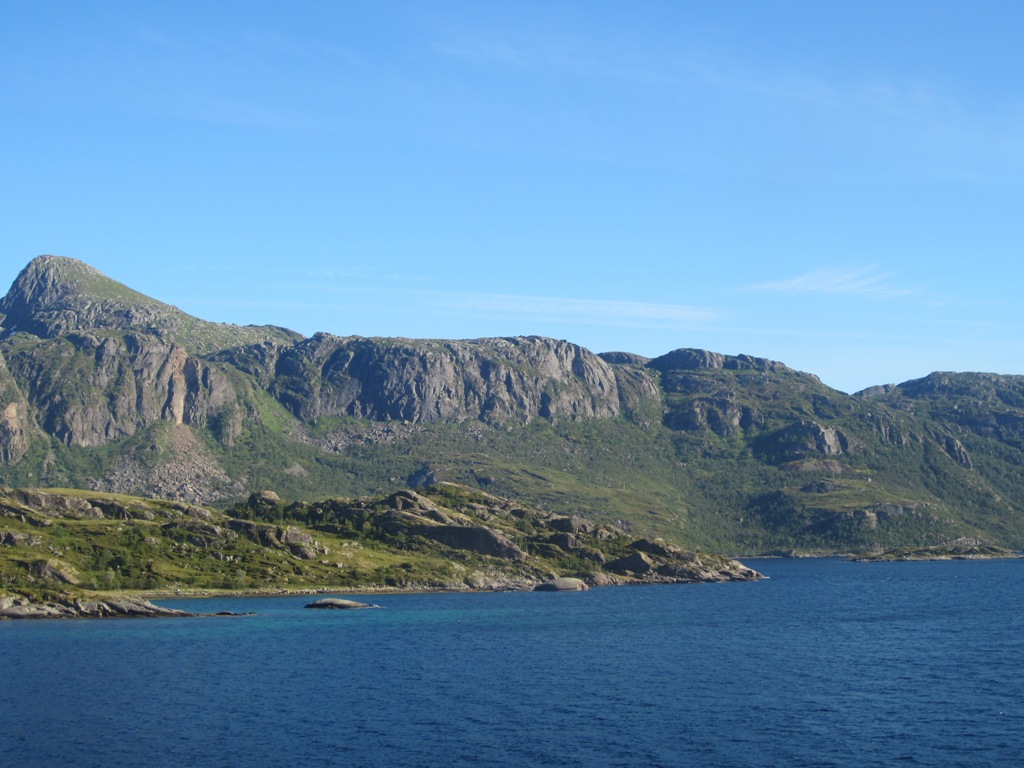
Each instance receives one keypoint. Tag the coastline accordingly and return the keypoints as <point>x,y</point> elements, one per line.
<point>137,603</point>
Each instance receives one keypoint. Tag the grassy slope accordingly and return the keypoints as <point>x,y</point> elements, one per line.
<point>699,489</point>
<point>715,468</point>
<point>65,540</point>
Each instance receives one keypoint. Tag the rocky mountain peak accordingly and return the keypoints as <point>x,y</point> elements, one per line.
<point>55,294</point>
<point>47,279</point>
<point>695,359</point>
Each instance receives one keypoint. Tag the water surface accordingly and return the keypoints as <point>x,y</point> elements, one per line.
<point>827,663</point>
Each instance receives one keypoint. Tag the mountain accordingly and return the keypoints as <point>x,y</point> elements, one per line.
<point>105,389</point>
<point>55,296</point>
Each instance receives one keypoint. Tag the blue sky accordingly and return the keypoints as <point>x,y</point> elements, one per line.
<point>838,186</point>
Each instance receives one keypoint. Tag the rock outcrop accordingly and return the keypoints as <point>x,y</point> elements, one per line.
<point>655,561</point>
<point>562,584</point>
<point>338,604</point>
<point>19,608</point>
<point>15,426</point>
<point>496,381</point>
<point>91,390</point>
<point>802,439</point>
<point>54,296</point>
<point>974,550</point>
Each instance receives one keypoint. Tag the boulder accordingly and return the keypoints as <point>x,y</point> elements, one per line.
<point>566,541</point>
<point>303,552</point>
<point>636,564</point>
<point>572,524</point>
<point>338,604</point>
<point>562,584</point>
<point>474,538</point>
<point>54,570</point>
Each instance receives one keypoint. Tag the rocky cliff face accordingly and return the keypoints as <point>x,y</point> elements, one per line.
<point>732,395</point>
<point>98,362</point>
<point>497,381</point>
<point>55,295</point>
<point>105,388</point>
<point>15,425</point>
<point>89,390</point>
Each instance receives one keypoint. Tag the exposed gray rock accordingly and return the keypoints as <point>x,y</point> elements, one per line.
<point>199,534</point>
<point>562,584</point>
<point>573,524</point>
<point>635,564</point>
<point>300,544</point>
<point>59,505</point>
<point>54,570</point>
<point>14,418</point>
<point>879,390</point>
<point>804,439</point>
<point>659,548</point>
<point>17,539</point>
<point>956,451</point>
<point>127,608</point>
<point>624,358</point>
<point>498,381</point>
<point>119,348</point>
<point>23,609</point>
<point>264,501</point>
<point>422,477</point>
<point>87,362</point>
<point>303,552</point>
<point>264,534</point>
<point>476,538</point>
<point>951,551</point>
<point>123,384</point>
<point>32,611</point>
<point>337,603</point>
<point>410,500</point>
<point>694,359</point>
<point>566,541</point>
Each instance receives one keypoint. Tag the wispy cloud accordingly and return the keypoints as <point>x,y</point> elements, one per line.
<point>429,306</point>
<point>367,284</point>
<point>591,311</point>
<point>563,54</point>
<point>863,281</point>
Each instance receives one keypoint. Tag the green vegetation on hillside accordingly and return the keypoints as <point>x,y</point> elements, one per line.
<point>105,389</point>
<point>60,542</point>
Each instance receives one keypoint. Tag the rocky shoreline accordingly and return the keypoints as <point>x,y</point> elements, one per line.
<point>955,552</point>
<point>22,608</point>
<point>14,607</point>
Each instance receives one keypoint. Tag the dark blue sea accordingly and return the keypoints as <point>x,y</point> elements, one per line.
<point>828,663</point>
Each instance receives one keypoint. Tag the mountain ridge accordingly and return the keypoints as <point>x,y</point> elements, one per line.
<point>104,388</point>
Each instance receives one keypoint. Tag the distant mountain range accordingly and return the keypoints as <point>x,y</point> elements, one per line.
<point>102,388</point>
